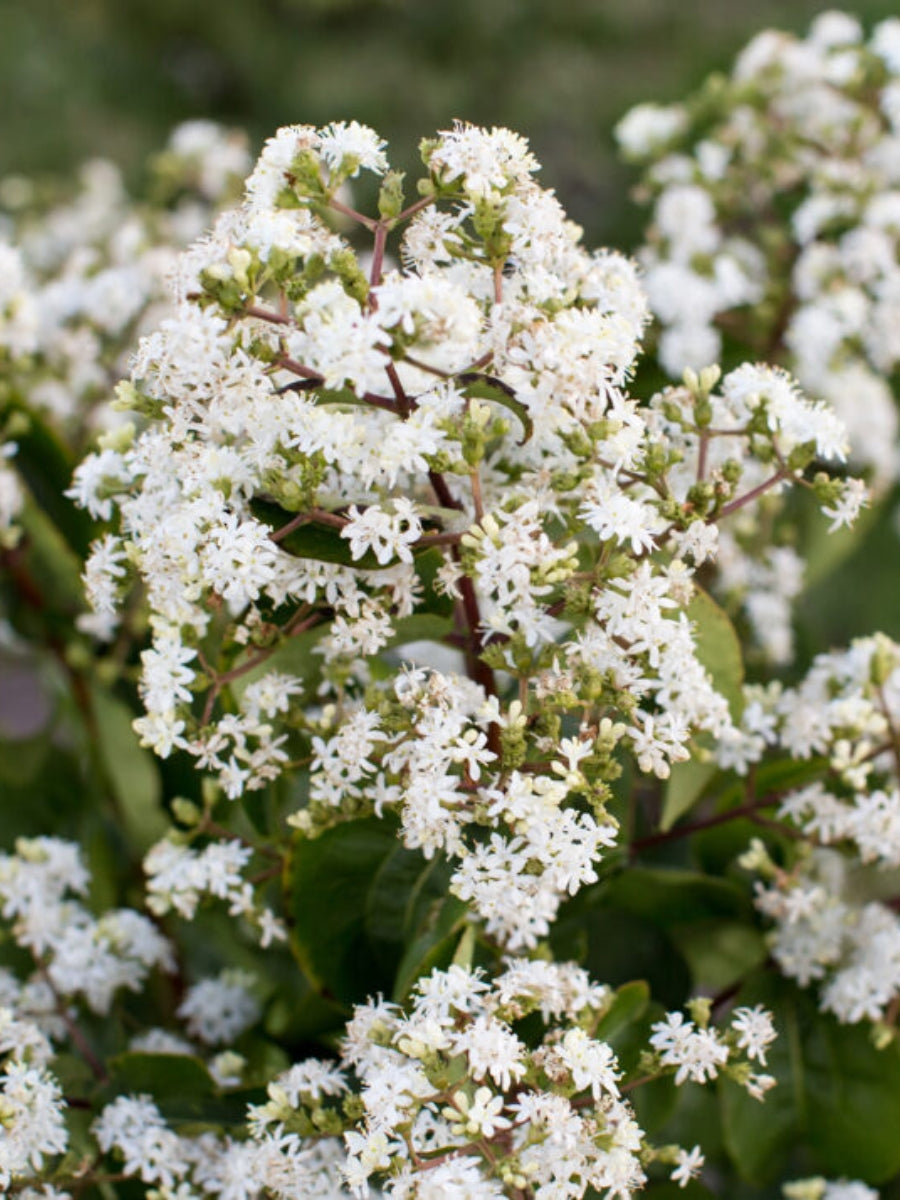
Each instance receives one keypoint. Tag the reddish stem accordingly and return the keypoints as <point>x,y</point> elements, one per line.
<point>753,494</point>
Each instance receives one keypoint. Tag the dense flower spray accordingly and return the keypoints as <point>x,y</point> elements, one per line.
<point>445,450</point>
<point>775,219</point>
<point>422,590</point>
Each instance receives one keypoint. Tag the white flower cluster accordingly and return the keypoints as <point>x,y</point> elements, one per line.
<point>825,932</point>
<point>329,452</point>
<point>452,1103</point>
<point>834,923</point>
<point>776,219</point>
<point>699,1053</point>
<point>31,1102</point>
<point>78,954</point>
<point>179,876</point>
<point>31,1115</point>
<point>80,276</point>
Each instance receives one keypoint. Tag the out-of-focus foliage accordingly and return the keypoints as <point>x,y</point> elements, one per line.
<point>82,77</point>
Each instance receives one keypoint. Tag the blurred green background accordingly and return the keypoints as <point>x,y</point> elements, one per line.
<point>80,78</point>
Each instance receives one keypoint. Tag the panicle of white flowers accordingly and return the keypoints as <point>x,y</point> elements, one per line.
<point>32,1120</point>
<point>452,1097</point>
<point>832,923</point>
<point>827,932</point>
<point>178,877</point>
<point>82,274</point>
<point>845,711</point>
<point>775,219</point>
<point>329,450</point>
<point>440,1094</point>
<point>79,954</point>
<point>216,1011</point>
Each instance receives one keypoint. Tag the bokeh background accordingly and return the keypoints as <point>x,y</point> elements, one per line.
<point>80,78</point>
<point>87,78</point>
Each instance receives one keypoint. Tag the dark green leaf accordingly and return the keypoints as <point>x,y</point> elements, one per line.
<point>434,947</point>
<point>720,953</point>
<point>427,565</point>
<point>630,1002</point>
<point>362,906</point>
<point>162,1075</point>
<point>670,896</point>
<point>53,564</point>
<point>320,542</point>
<point>836,1095</point>
<point>46,466</point>
<point>685,786</point>
<point>181,1086</point>
<point>403,885</point>
<point>420,627</point>
<point>296,657</point>
<point>328,883</point>
<point>618,947</point>
<point>131,770</point>
<point>825,551</point>
<point>718,649</point>
<point>22,758</point>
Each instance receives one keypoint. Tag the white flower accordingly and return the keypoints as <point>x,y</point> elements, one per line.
<point>216,1011</point>
<point>755,1031</point>
<point>689,1165</point>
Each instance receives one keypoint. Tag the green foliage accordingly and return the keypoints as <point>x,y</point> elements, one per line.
<point>837,1096</point>
<point>367,915</point>
<point>132,771</point>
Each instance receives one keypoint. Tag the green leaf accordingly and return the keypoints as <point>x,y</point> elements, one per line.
<point>345,397</point>
<point>718,649</point>
<point>46,466</point>
<point>302,1014</point>
<point>132,770</point>
<point>181,1085</point>
<point>22,758</point>
<point>630,1003</point>
<point>328,882</point>
<point>162,1075</point>
<point>687,783</point>
<point>320,542</point>
<point>402,889</point>
<point>362,906</point>
<point>54,565</point>
<point>434,947</point>
<point>823,551</point>
<point>836,1096</point>
<point>671,896</point>
<point>618,947</point>
<point>419,627</point>
<point>296,657</point>
<point>720,953</point>
<point>486,387</point>
<point>427,564</point>
<point>667,1190</point>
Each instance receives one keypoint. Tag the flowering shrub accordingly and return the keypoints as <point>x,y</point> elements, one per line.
<point>473,866</point>
<point>775,221</point>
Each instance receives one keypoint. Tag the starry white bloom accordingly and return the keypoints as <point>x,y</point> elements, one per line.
<point>218,1010</point>
<point>755,1031</point>
<point>688,1167</point>
<point>34,1127</point>
<point>133,1127</point>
